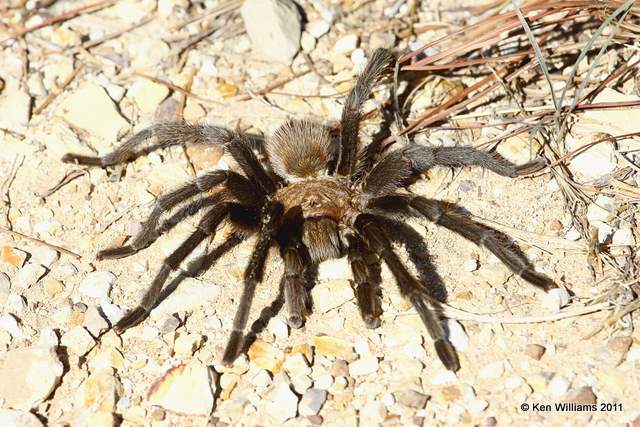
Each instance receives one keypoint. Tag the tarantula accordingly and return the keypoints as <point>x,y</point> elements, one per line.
<point>316,198</point>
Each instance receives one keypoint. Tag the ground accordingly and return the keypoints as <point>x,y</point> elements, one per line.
<point>333,371</point>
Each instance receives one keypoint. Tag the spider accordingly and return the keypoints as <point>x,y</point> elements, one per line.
<point>316,198</point>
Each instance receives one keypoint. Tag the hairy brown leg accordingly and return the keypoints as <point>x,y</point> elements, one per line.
<point>365,266</point>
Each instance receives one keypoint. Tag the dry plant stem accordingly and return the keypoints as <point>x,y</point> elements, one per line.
<point>272,86</point>
<point>40,242</point>
<point>58,90</point>
<point>176,88</point>
<point>6,187</point>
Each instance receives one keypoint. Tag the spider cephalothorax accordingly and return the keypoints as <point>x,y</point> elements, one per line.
<point>316,198</point>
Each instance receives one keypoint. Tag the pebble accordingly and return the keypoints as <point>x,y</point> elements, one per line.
<point>519,149</point>
<point>558,386</point>
<point>334,269</point>
<point>265,356</point>
<point>15,304</point>
<point>597,160</point>
<point>278,328</point>
<point>187,344</point>
<point>623,237</point>
<point>90,108</point>
<point>43,255</point>
<point>411,398</point>
<point>10,324</point>
<point>318,28</point>
<point>601,209</point>
<point>443,378</point>
<point>185,389</point>
<point>274,27</point>
<point>13,256</point>
<point>364,366</point>
<point>492,370</point>
<point>301,383</point>
<point>538,382</point>
<point>112,311</point>
<point>329,295</point>
<point>189,296</point>
<point>148,95</point>
<point>296,364</point>
<point>5,285</point>
<point>470,265</point>
<point>477,406</point>
<point>15,107</point>
<point>283,403</point>
<point>450,393</point>
<point>633,355</point>
<point>52,287</point>
<point>372,413</point>
<point>330,346</point>
<point>78,341</point>
<point>384,40</point>
<point>345,44</point>
<point>583,396</point>
<point>97,284</point>
<point>555,299</point>
<point>573,235</point>
<point>261,378</point>
<point>312,401</point>
<point>307,42</point>
<point>94,321</point>
<point>513,382</point>
<point>534,351</point>
<point>169,324</point>
<point>13,418</point>
<point>27,377</point>
<point>28,276</point>
<point>457,336</point>
<point>100,392</point>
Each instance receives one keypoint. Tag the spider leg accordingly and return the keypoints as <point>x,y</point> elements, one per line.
<point>425,305</point>
<point>455,219</point>
<point>206,227</point>
<point>379,65</point>
<point>252,276</point>
<point>164,134</point>
<point>235,183</point>
<point>365,266</point>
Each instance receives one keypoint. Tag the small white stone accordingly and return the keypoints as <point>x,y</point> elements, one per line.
<point>323,382</point>
<point>308,42</point>
<point>346,44</point>
<point>261,378</point>
<point>112,311</point>
<point>148,95</point>
<point>317,28</point>
<point>15,304</point>
<point>558,386</point>
<point>470,265</point>
<point>190,295</point>
<point>633,354</point>
<point>623,237</point>
<point>372,413</point>
<point>278,328</point>
<point>358,58</point>
<point>10,324</point>
<point>555,299</point>
<point>513,382</point>
<point>5,285</point>
<point>601,209</point>
<point>14,418</point>
<point>296,364</point>
<point>187,344</point>
<point>364,366</point>
<point>185,389</point>
<point>149,333</point>
<point>97,284</point>
<point>492,370</point>
<point>283,403</point>
<point>43,255</point>
<point>94,322</point>
<point>14,110</point>
<point>334,269</point>
<point>301,383</point>
<point>457,336</point>
<point>573,235</point>
<point>329,295</point>
<point>28,276</point>
<point>78,341</point>
<point>312,401</point>
<point>596,161</point>
<point>477,406</point>
<point>443,377</point>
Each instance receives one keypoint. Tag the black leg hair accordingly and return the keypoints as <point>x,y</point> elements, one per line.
<point>365,266</point>
<point>252,276</point>
<point>426,306</point>
<point>379,65</point>
<point>206,227</point>
<point>237,185</point>
<point>457,220</point>
<point>295,256</point>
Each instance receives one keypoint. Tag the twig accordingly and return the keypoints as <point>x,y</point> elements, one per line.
<point>6,186</point>
<point>54,93</point>
<point>41,242</point>
<point>272,86</point>
<point>64,181</point>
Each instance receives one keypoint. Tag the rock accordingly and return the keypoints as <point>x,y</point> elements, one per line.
<point>324,381</point>
<point>106,358</point>
<point>43,255</point>
<point>513,382</point>
<point>443,378</point>
<point>519,149</point>
<point>28,276</point>
<point>456,335</point>
<point>330,346</point>
<point>334,269</point>
<point>28,376</point>
<point>364,366</point>
<point>112,311</point>
<point>283,403</point>
<point>476,406</point>
<point>601,209</point>
<point>52,287</point>
<point>572,235</point>
<point>186,344</point>
<point>12,418</point>
<point>90,108</point>
<point>307,42</point>
<point>261,378</point>
<point>345,44</point>
<point>582,396</point>
<point>189,296</point>
<point>185,389</point>
<point>278,328</point>
<point>534,351</point>
<point>13,256</point>
<point>623,237</point>
<point>470,265</point>
<point>411,398</point>
<point>94,322</point>
<point>318,28</point>
<point>15,109</point>
<point>301,383</point>
<point>265,356</point>
<point>10,324</point>
<point>372,413</point>
<point>538,382</point>
<point>492,370</point>
<point>296,365</point>
<point>274,27</point>
<point>100,392</point>
<point>311,402</point>
<point>595,161</point>
<point>555,299</point>
<point>148,95</point>
<point>329,295</point>
<point>101,419</point>
<point>78,341</point>
<point>384,40</point>
<point>558,386</point>
<point>169,325</point>
<point>5,285</point>
<point>450,393</point>
<point>15,304</point>
<point>621,121</point>
<point>97,284</point>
